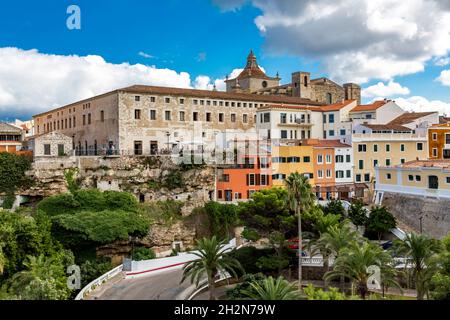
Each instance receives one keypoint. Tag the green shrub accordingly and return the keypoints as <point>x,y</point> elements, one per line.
<point>237,293</point>
<point>318,294</point>
<point>8,201</point>
<point>64,203</point>
<point>88,199</point>
<point>91,199</point>
<point>92,269</point>
<point>120,201</point>
<point>174,180</point>
<point>12,172</point>
<point>142,253</point>
<point>249,256</point>
<point>251,234</point>
<point>100,227</point>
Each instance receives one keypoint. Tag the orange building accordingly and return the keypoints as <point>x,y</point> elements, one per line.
<point>238,182</point>
<point>11,138</point>
<point>439,141</point>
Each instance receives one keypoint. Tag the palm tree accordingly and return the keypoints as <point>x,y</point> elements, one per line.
<point>420,251</point>
<point>213,259</point>
<point>300,198</point>
<point>272,289</point>
<point>354,261</point>
<point>333,241</point>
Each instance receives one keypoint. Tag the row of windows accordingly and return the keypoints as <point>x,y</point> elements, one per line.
<point>306,159</point>
<point>387,162</point>
<point>363,147</point>
<point>10,137</point>
<point>294,134</point>
<point>358,177</point>
<point>293,118</point>
<point>282,176</point>
<point>414,178</point>
<point>447,137</point>
<point>331,133</point>
<point>202,102</point>
<point>195,116</point>
<point>340,174</point>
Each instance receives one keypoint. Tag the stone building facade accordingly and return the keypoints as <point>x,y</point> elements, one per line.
<point>146,119</point>
<point>52,144</point>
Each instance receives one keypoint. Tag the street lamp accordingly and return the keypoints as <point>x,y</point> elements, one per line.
<point>421,224</point>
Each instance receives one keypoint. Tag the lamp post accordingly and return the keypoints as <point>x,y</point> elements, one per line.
<point>421,224</point>
<point>168,140</point>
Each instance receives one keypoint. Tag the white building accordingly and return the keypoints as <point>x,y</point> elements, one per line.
<point>289,122</point>
<point>379,112</point>
<point>344,164</point>
<point>336,120</point>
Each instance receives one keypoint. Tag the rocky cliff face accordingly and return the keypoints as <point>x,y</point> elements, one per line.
<point>148,178</point>
<point>435,213</point>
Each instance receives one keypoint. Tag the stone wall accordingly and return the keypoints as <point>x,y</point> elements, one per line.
<point>409,209</point>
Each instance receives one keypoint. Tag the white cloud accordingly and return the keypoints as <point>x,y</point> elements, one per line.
<point>203,83</point>
<point>442,62</point>
<point>32,82</point>
<point>421,104</point>
<point>145,55</point>
<point>382,90</point>
<point>444,78</point>
<point>358,40</point>
<point>229,5</point>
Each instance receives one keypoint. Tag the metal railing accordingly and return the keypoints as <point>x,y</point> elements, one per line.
<point>98,282</point>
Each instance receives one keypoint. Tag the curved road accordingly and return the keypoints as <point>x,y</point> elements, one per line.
<point>161,286</point>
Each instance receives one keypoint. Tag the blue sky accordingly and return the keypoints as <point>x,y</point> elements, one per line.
<point>200,38</point>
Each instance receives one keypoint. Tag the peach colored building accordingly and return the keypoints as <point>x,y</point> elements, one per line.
<point>439,141</point>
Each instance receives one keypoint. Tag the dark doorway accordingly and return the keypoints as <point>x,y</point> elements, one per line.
<point>153,147</point>
<point>433,182</point>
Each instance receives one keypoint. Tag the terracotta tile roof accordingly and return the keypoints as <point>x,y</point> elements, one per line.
<point>443,164</point>
<point>387,127</point>
<point>337,106</point>
<point>219,95</point>
<point>143,89</point>
<point>370,107</point>
<point>326,143</point>
<point>441,125</point>
<point>8,128</point>
<point>410,117</point>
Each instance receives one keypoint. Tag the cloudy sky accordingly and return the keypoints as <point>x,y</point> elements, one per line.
<point>394,49</point>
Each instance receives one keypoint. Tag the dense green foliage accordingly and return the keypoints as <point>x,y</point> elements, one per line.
<point>220,218</point>
<point>92,269</point>
<point>142,253</point>
<point>334,207</point>
<point>12,172</point>
<point>266,212</point>
<point>100,227</point>
<point>380,221</point>
<point>174,180</point>
<point>313,293</point>
<point>72,184</point>
<point>358,214</point>
<point>89,200</point>
<point>237,293</point>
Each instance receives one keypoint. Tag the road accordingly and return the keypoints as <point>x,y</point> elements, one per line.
<point>163,286</point>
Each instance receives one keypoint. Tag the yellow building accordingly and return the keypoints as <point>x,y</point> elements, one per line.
<point>430,178</point>
<point>386,146</point>
<point>291,157</point>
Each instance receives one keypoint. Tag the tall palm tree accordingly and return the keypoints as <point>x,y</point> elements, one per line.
<point>354,261</point>
<point>212,260</point>
<point>272,289</point>
<point>420,250</point>
<point>300,198</point>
